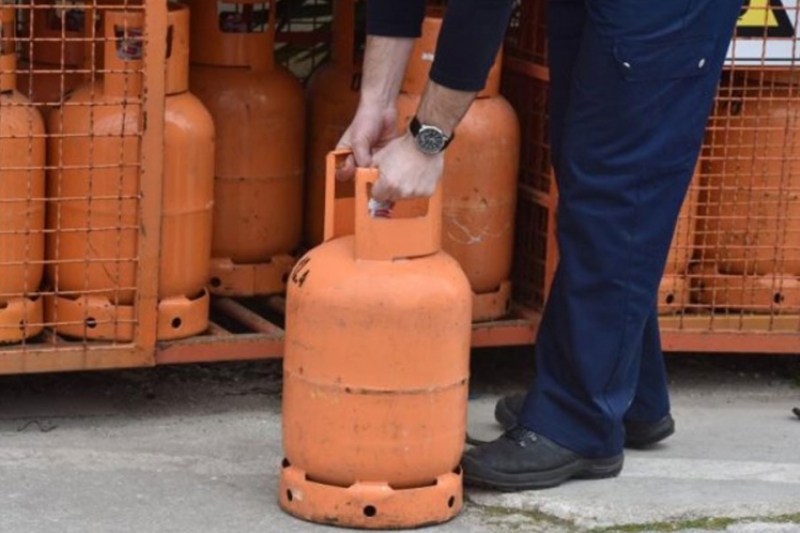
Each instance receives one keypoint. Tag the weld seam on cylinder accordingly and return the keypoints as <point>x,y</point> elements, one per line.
<point>377,392</point>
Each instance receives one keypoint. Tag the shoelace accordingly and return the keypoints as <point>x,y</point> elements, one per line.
<point>521,436</point>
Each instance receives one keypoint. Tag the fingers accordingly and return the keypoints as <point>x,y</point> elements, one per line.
<point>348,168</point>
<point>360,157</point>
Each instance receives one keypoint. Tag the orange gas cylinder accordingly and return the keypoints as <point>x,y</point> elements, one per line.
<point>674,289</point>
<point>259,114</point>
<point>480,179</point>
<point>22,164</point>
<point>749,237</point>
<point>58,54</point>
<point>376,369</point>
<point>188,193</point>
<point>333,94</point>
<point>94,149</point>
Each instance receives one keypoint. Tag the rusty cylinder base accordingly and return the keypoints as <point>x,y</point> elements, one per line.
<point>492,305</point>
<point>20,318</point>
<point>97,318</point>
<point>232,279</point>
<point>673,294</point>
<point>180,317</point>
<point>767,294</point>
<point>373,505</point>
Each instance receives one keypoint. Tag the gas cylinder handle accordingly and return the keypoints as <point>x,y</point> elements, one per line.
<point>385,239</point>
<point>377,238</point>
<point>339,212</point>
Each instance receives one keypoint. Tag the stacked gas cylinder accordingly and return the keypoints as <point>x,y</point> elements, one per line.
<point>748,237</point>
<point>243,176</point>
<point>71,163</point>
<point>481,164</point>
<point>259,110</point>
<point>233,165</point>
<point>22,209</point>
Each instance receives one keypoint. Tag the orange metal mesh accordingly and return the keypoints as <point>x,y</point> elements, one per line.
<point>734,266</point>
<point>745,255</point>
<point>69,221</point>
<point>534,247</point>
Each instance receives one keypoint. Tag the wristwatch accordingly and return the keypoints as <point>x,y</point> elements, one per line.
<point>429,139</point>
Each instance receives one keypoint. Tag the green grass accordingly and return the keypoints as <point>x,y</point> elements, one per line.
<point>527,517</point>
<point>710,524</point>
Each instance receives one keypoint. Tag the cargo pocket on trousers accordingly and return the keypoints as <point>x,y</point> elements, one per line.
<point>653,60</point>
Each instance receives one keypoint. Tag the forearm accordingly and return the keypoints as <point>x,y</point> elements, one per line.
<point>385,60</point>
<point>392,26</point>
<point>444,107</point>
<point>471,34</point>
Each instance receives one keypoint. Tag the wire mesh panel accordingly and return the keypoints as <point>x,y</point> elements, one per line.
<point>744,237</point>
<point>72,137</point>
<point>746,249</point>
<point>526,38</point>
<point>734,264</point>
<point>535,254</point>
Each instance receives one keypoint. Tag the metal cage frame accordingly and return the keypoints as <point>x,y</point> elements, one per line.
<point>249,329</point>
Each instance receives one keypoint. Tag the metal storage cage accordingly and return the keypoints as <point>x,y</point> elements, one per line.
<point>83,198</point>
<point>732,276</point>
<point>99,184</point>
<point>732,283</point>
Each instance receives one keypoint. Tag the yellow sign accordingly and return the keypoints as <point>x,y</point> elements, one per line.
<point>764,18</point>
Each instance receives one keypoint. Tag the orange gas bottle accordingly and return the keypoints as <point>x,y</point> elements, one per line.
<point>333,94</point>
<point>22,164</point>
<point>480,179</point>
<point>93,184</point>
<point>750,239</point>
<point>675,287</point>
<point>58,55</point>
<point>376,369</point>
<point>188,193</point>
<point>259,114</point>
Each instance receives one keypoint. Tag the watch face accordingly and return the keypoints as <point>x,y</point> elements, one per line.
<point>430,140</point>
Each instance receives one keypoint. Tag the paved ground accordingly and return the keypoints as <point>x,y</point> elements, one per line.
<point>197,448</point>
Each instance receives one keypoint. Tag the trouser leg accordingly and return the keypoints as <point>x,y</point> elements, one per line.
<point>639,95</point>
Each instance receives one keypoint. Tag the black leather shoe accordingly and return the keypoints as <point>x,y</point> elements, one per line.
<point>637,435</point>
<point>523,460</point>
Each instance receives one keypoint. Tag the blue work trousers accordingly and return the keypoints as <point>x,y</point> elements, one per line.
<point>632,86</point>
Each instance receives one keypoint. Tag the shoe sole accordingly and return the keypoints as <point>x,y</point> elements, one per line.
<point>478,476</point>
<point>660,431</point>
<point>663,428</point>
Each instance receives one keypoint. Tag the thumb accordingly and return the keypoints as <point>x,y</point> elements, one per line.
<point>381,191</point>
<point>361,151</point>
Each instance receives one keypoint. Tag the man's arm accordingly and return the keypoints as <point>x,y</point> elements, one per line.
<point>392,26</point>
<point>471,34</point>
<point>470,37</point>
<point>472,31</point>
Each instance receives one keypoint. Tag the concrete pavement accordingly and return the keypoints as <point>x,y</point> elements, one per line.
<point>197,449</point>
